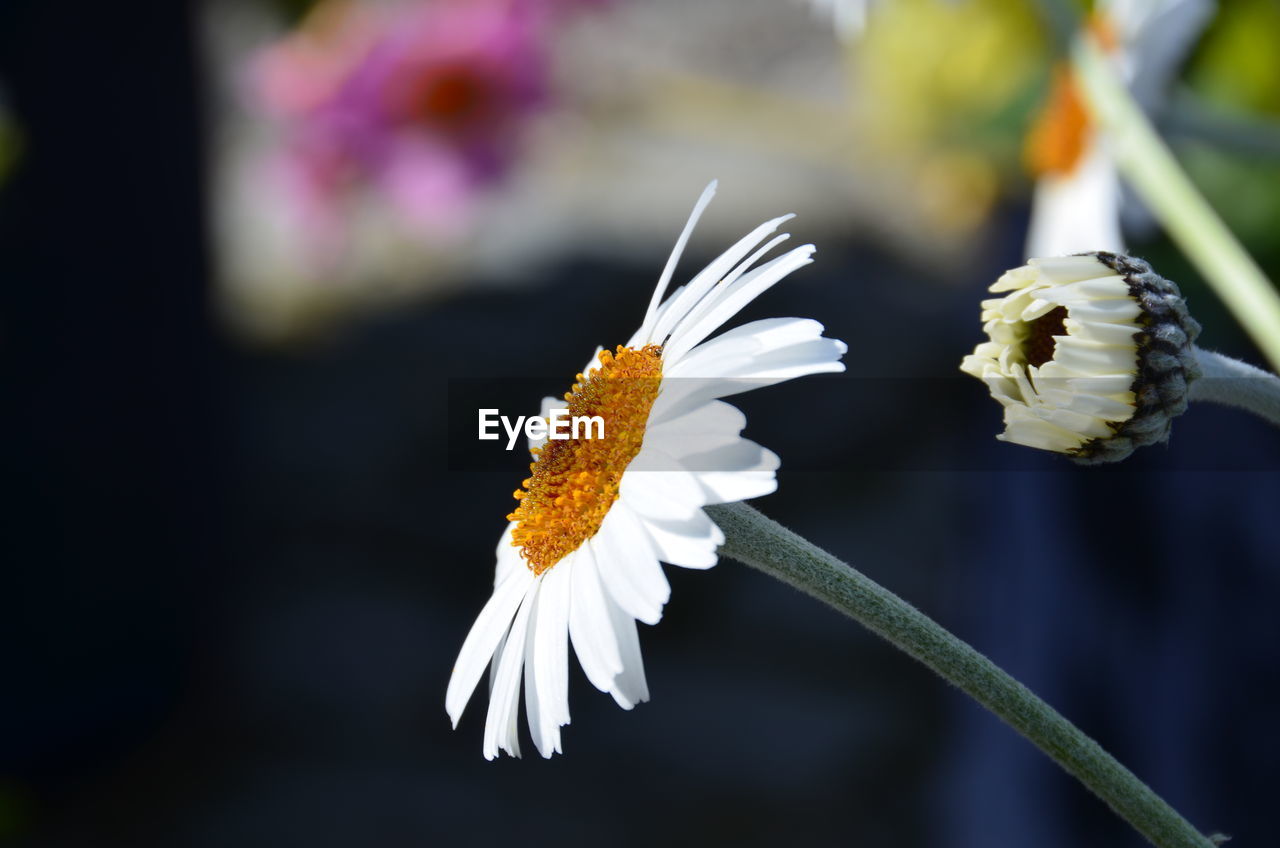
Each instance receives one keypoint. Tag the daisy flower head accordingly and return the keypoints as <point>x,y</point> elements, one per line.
<point>1090,355</point>
<point>1077,201</point>
<point>580,561</point>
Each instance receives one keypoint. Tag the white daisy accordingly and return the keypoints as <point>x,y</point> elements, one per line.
<point>1089,355</point>
<point>580,560</point>
<point>1077,200</point>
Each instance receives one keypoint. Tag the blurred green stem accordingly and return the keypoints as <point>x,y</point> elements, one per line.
<point>766,545</point>
<point>1152,170</point>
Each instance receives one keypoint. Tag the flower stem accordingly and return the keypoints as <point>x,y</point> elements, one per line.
<point>1235,383</point>
<point>764,544</point>
<point>1153,171</point>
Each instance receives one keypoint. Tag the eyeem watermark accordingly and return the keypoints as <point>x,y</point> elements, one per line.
<point>557,425</point>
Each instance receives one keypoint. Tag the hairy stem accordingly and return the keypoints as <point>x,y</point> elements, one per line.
<point>766,545</point>
<point>1234,383</point>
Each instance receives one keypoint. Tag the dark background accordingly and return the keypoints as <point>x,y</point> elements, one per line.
<point>236,580</point>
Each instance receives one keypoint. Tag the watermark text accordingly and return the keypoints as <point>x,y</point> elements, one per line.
<point>557,425</point>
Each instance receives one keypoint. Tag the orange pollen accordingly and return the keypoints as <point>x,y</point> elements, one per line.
<point>575,481</point>
<point>1060,135</point>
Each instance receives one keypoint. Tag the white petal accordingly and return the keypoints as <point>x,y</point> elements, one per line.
<point>820,356</point>
<point>691,543</point>
<point>724,353</point>
<point>1116,408</point>
<point>1083,425</point>
<point>1111,311</point>
<point>742,455</point>
<point>701,285</point>
<point>590,627</point>
<point>668,447</point>
<point>639,338</point>
<point>552,643</point>
<point>493,666</point>
<point>629,687</point>
<point>651,313</point>
<point>1092,358</point>
<point>1023,428</point>
<point>1101,384</point>
<point>733,486</point>
<point>1020,277</point>
<point>706,319</point>
<point>549,658</point>
<point>1104,333</point>
<point>677,398</point>
<point>533,697</point>
<point>661,494</point>
<point>508,556</point>
<point>1060,270</point>
<point>713,417</point>
<point>628,566</point>
<point>1096,288</point>
<point>593,364</point>
<point>481,642</point>
<point>504,700</point>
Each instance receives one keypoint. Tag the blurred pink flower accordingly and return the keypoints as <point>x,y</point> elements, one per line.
<point>419,104</point>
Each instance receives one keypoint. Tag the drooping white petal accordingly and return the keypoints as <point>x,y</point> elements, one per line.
<point>689,543</point>
<point>533,696</point>
<point>733,486</point>
<point>743,455</point>
<point>551,653</point>
<point>670,494</point>
<point>590,627</point>
<point>629,687</point>
<point>504,700</point>
<point>481,642</point>
<point>628,566</point>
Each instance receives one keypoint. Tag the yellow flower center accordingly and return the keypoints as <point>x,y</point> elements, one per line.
<point>575,481</point>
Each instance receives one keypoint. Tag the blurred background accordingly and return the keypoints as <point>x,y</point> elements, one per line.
<point>249,246</point>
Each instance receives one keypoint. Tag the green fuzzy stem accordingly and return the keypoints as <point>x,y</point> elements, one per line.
<point>1234,383</point>
<point>767,546</point>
